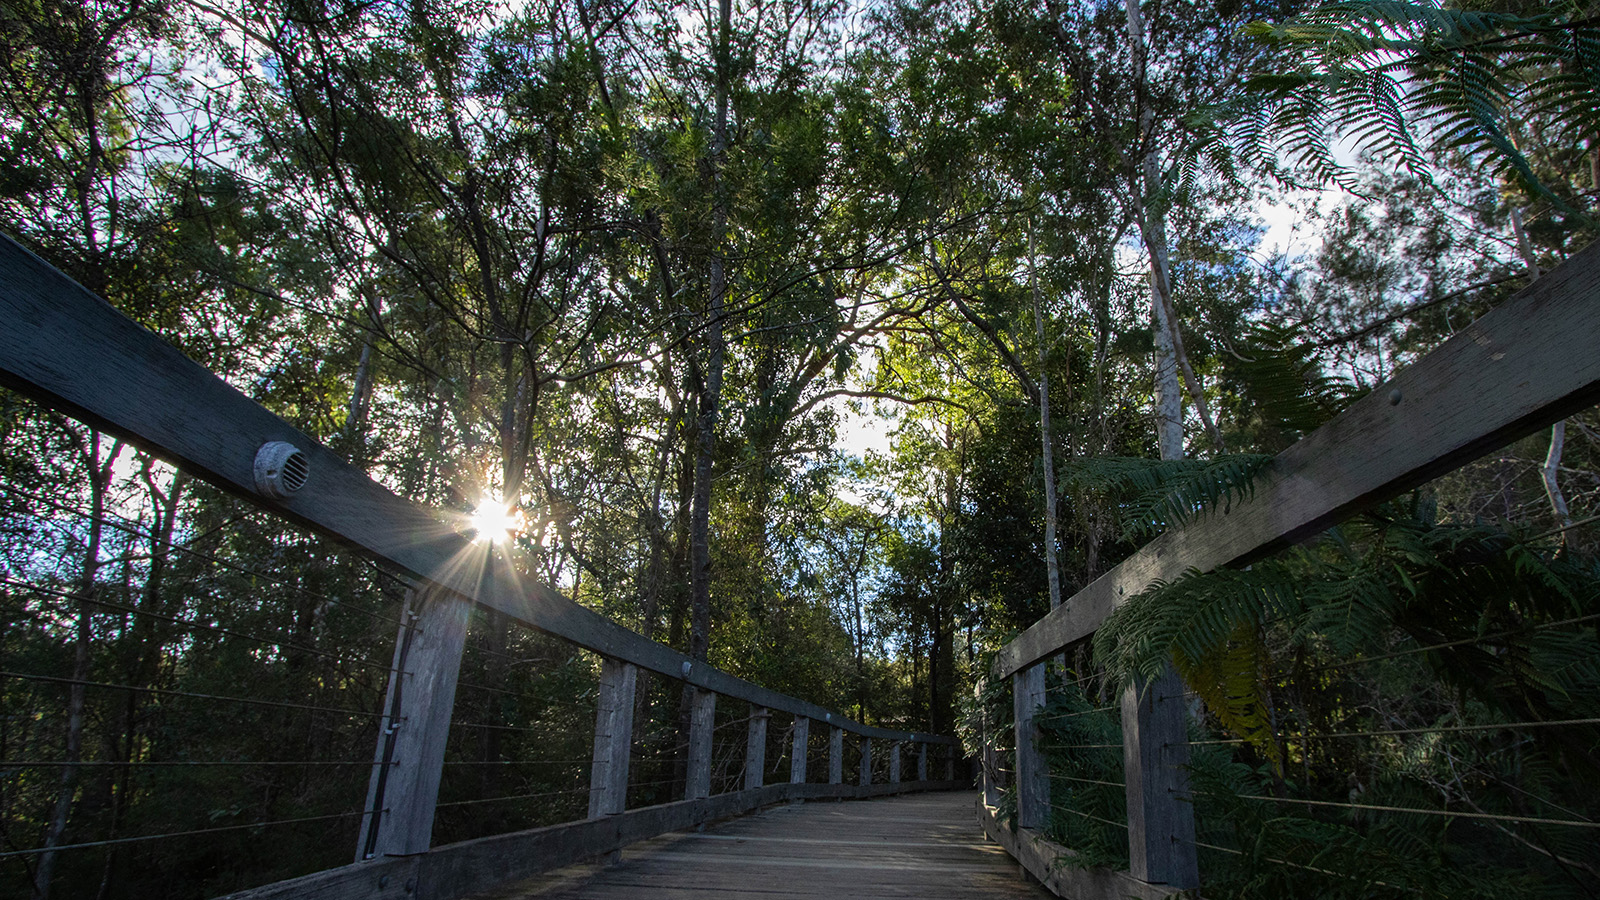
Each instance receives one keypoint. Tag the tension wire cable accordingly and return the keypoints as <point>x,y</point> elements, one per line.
<point>1294,865</point>
<point>130,526</point>
<point>1054,777</point>
<point>178,834</point>
<point>1492,817</point>
<point>179,763</point>
<point>1430,729</point>
<point>52,679</point>
<point>567,792</point>
<point>1079,812</point>
<point>193,624</point>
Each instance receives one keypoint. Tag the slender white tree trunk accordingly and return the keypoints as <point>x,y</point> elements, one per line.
<point>1052,559</point>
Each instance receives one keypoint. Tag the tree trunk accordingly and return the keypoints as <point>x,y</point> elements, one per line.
<point>99,481</point>
<point>1170,356</point>
<point>1052,561</point>
<point>1550,472</point>
<point>711,389</point>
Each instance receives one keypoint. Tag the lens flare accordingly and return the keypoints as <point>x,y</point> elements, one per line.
<point>495,521</point>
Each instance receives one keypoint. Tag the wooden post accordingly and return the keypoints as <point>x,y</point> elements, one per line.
<point>922,761</point>
<point>865,778</point>
<point>1033,780</point>
<point>894,761</point>
<point>613,738</point>
<point>1155,750</point>
<point>798,750</point>
<point>949,763</point>
<point>702,720</point>
<point>404,787</point>
<point>988,750</point>
<point>755,749</point>
<point>836,756</point>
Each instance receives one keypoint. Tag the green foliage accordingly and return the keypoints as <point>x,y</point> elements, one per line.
<point>1382,71</point>
<point>1478,604</point>
<point>1154,495</point>
<point>1082,742</point>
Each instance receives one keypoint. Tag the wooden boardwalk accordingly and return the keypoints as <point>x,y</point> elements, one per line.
<point>917,845</point>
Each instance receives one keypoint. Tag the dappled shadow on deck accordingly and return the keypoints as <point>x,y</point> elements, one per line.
<point>920,845</point>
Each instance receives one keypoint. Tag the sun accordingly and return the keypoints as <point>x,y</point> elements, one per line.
<point>495,521</point>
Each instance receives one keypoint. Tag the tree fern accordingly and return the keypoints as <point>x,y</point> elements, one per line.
<point>1381,72</point>
<point>1154,495</point>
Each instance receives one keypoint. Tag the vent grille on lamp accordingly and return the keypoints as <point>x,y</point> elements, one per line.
<point>280,470</point>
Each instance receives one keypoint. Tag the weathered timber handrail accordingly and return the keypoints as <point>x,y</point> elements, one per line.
<point>1523,366</point>
<point>1527,364</point>
<point>133,384</point>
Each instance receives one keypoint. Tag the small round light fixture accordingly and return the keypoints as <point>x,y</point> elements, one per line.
<point>281,469</point>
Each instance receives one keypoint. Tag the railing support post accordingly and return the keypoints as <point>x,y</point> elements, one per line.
<point>895,748</point>
<point>865,777</point>
<point>613,738</point>
<point>702,719</point>
<point>988,750</point>
<point>755,748</point>
<point>836,756</point>
<point>404,787</point>
<point>922,761</point>
<point>1155,752</point>
<point>1033,780</point>
<point>798,750</point>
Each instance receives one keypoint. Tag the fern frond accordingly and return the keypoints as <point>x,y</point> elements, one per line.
<point>1154,495</point>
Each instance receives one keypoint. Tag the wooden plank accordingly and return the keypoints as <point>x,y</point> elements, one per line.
<point>447,872</point>
<point>1033,777</point>
<point>923,846</point>
<point>1043,858</point>
<point>702,728</point>
<point>69,349</point>
<point>799,750</point>
<point>864,777</point>
<point>402,795</point>
<point>1529,363</point>
<point>613,738</point>
<point>385,878</point>
<point>1155,756</point>
<point>836,755</point>
<point>755,748</point>
<point>922,760</point>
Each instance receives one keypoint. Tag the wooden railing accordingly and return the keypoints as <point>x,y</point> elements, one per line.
<point>72,351</point>
<point>1527,364</point>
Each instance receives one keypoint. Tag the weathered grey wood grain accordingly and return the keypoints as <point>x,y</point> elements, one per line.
<point>702,727</point>
<point>71,350</point>
<point>1526,364</point>
<point>1033,776</point>
<point>401,796</point>
<point>447,872</point>
<point>836,755</point>
<point>613,738</point>
<point>922,760</point>
<point>1043,859</point>
<point>896,751</point>
<point>385,878</point>
<point>755,749</point>
<point>917,846</point>
<point>988,748</point>
<point>1155,757</point>
<point>799,750</point>
<point>864,777</point>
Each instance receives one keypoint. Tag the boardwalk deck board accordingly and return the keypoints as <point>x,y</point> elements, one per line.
<point>922,845</point>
